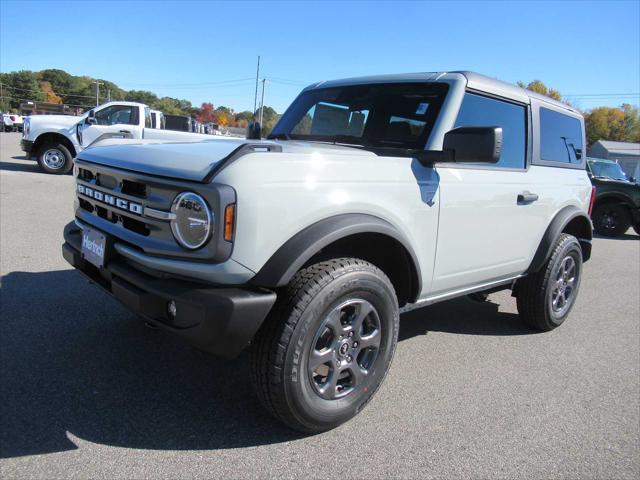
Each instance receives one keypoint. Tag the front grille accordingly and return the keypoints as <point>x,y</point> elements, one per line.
<point>123,199</point>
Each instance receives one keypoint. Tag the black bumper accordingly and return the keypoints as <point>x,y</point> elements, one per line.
<point>219,320</point>
<point>26,146</point>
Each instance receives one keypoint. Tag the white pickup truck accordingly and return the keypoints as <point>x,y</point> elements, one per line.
<point>55,140</point>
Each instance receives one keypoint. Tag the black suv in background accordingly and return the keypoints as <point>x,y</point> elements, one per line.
<point>617,200</point>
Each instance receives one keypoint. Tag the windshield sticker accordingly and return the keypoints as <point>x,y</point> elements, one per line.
<point>422,108</point>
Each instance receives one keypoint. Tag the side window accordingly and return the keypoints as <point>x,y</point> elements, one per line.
<point>479,111</point>
<point>116,114</point>
<point>560,137</point>
<point>147,117</point>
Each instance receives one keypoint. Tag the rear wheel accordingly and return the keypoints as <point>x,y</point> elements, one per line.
<point>55,158</point>
<point>611,219</point>
<point>326,348</point>
<point>546,297</point>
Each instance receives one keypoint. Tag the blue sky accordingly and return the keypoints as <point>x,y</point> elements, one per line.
<point>191,49</point>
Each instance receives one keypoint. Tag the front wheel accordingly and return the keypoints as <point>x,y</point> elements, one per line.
<point>55,158</point>
<point>326,347</point>
<point>546,297</point>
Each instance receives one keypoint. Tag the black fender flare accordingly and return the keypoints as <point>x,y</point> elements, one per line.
<point>565,216</point>
<point>617,197</point>
<point>296,251</point>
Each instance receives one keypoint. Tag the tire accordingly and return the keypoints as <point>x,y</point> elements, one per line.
<point>55,158</point>
<point>611,219</point>
<point>546,297</point>
<point>323,302</point>
<point>8,129</point>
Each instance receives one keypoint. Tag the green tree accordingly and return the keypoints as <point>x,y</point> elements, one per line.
<point>141,96</point>
<point>170,106</point>
<point>269,120</point>
<point>21,86</point>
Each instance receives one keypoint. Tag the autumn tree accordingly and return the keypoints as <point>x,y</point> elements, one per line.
<point>207,113</point>
<point>620,124</point>
<point>539,87</point>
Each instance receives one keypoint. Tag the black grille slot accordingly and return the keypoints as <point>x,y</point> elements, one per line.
<point>85,174</point>
<point>107,181</point>
<point>85,205</point>
<point>136,189</point>
<point>135,225</point>
<point>106,214</point>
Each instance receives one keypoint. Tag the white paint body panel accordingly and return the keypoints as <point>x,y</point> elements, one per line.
<point>464,224</point>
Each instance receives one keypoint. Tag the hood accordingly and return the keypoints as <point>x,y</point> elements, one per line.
<point>193,161</point>
<point>58,120</point>
<point>187,161</point>
<point>616,183</point>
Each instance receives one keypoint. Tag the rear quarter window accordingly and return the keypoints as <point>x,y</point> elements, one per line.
<point>560,137</point>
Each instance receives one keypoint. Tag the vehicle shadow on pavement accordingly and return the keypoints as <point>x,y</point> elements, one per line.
<point>74,364</point>
<point>73,360</point>
<point>23,165</point>
<point>462,316</point>
<point>630,235</point>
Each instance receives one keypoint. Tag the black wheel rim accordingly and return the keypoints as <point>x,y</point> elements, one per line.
<point>608,220</point>
<point>344,349</point>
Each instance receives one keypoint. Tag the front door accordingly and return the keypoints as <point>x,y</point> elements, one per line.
<point>490,216</point>
<point>114,121</point>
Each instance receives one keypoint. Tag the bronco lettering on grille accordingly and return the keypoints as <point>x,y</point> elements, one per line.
<point>110,199</point>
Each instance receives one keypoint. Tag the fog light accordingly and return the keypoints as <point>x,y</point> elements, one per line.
<point>172,310</point>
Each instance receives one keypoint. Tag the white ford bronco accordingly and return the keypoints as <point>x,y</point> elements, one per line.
<point>371,196</point>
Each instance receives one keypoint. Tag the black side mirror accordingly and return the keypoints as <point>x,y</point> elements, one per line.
<point>91,118</point>
<point>632,179</point>
<point>474,144</point>
<point>254,131</point>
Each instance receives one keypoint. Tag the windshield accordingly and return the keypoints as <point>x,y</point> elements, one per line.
<point>383,115</point>
<point>607,170</point>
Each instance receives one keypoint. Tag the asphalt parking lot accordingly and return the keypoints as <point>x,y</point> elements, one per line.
<point>86,390</point>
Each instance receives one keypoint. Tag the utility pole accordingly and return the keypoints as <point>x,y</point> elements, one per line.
<point>255,98</point>
<point>264,80</point>
<point>109,95</point>
<point>97,91</point>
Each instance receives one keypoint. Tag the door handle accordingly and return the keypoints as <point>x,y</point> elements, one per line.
<point>125,131</point>
<point>527,197</point>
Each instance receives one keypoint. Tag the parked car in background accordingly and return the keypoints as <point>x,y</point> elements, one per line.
<point>370,195</point>
<point>12,122</point>
<point>56,139</point>
<point>617,199</point>
<point>157,119</point>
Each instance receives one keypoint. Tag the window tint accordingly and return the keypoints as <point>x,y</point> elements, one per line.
<point>116,114</point>
<point>478,111</point>
<point>560,137</point>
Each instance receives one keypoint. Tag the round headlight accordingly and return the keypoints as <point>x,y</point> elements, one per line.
<point>193,220</point>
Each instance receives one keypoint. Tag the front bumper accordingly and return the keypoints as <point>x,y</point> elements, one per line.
<point>26,146</point>
<point>219,320</point>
